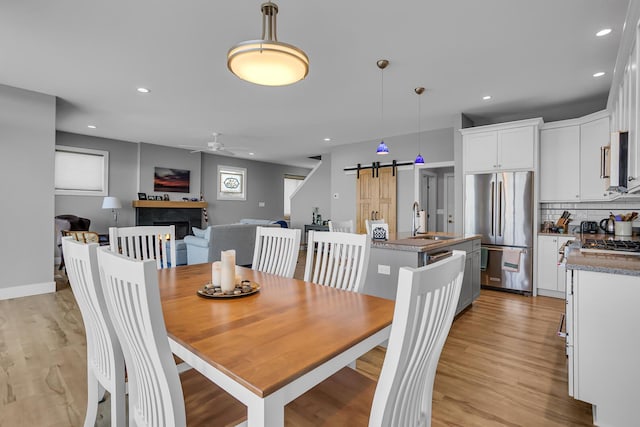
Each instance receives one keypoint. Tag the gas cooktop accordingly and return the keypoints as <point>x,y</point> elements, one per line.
<point>620,247</point>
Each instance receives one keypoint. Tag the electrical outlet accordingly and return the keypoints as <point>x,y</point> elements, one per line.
<point>261,204</point>
<point>384,269</point>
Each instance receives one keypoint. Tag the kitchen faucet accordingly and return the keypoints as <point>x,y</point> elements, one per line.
<point>414,216</point>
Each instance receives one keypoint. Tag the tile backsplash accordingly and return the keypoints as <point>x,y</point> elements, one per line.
<point>587,211</point>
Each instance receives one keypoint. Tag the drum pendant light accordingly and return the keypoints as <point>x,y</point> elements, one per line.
<point>268,62</point>
<point>419,159</point>
<point>382,147</point>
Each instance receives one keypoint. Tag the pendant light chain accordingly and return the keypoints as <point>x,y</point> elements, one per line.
<point>419,159</point>
<point>382,148</point>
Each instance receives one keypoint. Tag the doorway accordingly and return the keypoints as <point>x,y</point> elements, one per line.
<point>435,192</point>
<point>429,197</point>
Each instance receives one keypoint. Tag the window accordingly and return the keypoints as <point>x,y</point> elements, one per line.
<point>232,183</point>
<point>81,171</point>
<point>291,183</point>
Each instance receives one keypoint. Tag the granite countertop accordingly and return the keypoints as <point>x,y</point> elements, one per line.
<point>404,241</point>
<point>604,263</point>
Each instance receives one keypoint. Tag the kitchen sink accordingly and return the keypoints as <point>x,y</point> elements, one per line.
<point>432,237</point>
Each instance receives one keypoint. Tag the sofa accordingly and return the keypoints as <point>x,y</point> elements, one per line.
<point>206,245</point>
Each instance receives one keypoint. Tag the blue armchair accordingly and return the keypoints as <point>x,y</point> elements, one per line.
<point>207,244</point>
<point>199,246</point>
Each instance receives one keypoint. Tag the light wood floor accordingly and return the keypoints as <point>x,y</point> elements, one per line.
<point>502,364</point>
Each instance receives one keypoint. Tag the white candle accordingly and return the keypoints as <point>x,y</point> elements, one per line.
<point>215,273</point>
<point>228,270</point>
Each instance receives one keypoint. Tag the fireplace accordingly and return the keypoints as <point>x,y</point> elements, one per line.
<point>182,218</point>
<point>182,227</point>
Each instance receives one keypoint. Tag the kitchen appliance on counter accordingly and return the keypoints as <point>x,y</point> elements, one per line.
<point>608,225</point>
<point>590,227</point>
<point>499,207</point>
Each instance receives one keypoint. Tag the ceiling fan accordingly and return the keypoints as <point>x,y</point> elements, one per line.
<point>214,147</point>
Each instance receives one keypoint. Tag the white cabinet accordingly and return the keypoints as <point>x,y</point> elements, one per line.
<point>550,276</point>
<point>593,136</point>
<point>559,167</point>
<point>624,96</point>
<point>603,343</point>
<point>507,146</point>
<point>571,159</point>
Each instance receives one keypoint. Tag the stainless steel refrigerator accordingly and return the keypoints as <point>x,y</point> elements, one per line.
<point>499,206</point>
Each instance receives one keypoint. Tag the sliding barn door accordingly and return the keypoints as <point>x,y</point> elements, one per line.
<point>376,198</point>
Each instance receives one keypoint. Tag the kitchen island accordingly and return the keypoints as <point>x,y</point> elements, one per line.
<point>403,250</point>
<point>602,334</point>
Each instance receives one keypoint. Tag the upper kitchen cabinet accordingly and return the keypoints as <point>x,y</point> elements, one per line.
<point>624,99</point>
<point>594,140</point>
<point>506,146</point>
<point>572,159</point>
<point>559,168</point>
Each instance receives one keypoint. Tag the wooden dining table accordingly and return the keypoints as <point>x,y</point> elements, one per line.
<point>270,347</point>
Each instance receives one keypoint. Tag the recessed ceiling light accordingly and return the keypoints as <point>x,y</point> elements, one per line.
<point>91,126</point>
<point>599,74</point>
<point>486,97</point>
<point>603,32</point>
<point>252,154</point>
<point>143,90</point>
<point>327,139</point>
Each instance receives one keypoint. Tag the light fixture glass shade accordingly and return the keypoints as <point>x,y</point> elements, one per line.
<point>111,203</point>
<point>267,61</point>
<point>419,160</point>
<point>382,149</point>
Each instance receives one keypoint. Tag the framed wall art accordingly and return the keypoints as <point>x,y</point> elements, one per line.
<point>171,180</point>
<point>232,183</point>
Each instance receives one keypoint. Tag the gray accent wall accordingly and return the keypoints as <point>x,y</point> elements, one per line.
<point>265,183</point>
<point>152,156</point>
<point>27,139</point>
<point>435,146</point>
<point>123,172</point>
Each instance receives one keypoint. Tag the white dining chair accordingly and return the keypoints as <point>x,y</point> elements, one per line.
<point>341,226</point>
<point>105,361</point>
<point>337,259</point>
<point>157,397</point>
<point>146,242</point>
<point>368,223</point>
<point>426,302</point>
<point>276,250</point>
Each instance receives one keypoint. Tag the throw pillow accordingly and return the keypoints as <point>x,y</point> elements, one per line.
<point>198,232</point>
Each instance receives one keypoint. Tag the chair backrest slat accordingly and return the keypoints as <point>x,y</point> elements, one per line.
<point>146,242</point>
<point>336,259</point>
<point>425,306</point>
<point>341,226</point>
<point>276,250</point>
<point>133,301</point>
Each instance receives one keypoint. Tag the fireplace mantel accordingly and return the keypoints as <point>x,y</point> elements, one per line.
<point>168,204</point>
<point>184,215</point>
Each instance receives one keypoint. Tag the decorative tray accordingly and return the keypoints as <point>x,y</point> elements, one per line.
<point>242,289</point>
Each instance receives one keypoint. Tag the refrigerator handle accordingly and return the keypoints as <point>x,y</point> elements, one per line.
<point>493,207</point>
<point>500,210</point>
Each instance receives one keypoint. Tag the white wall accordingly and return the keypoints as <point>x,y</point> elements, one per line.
<point>27,140</point>
<point>314,192</point>
<point>435,146</point>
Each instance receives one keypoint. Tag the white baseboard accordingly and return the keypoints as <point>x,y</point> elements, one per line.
<point>550,293</point>
<point>27,290</point>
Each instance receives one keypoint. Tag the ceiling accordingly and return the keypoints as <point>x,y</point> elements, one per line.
<point>533,57</point>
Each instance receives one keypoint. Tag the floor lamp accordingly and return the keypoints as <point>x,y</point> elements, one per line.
<point>114,204</point>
